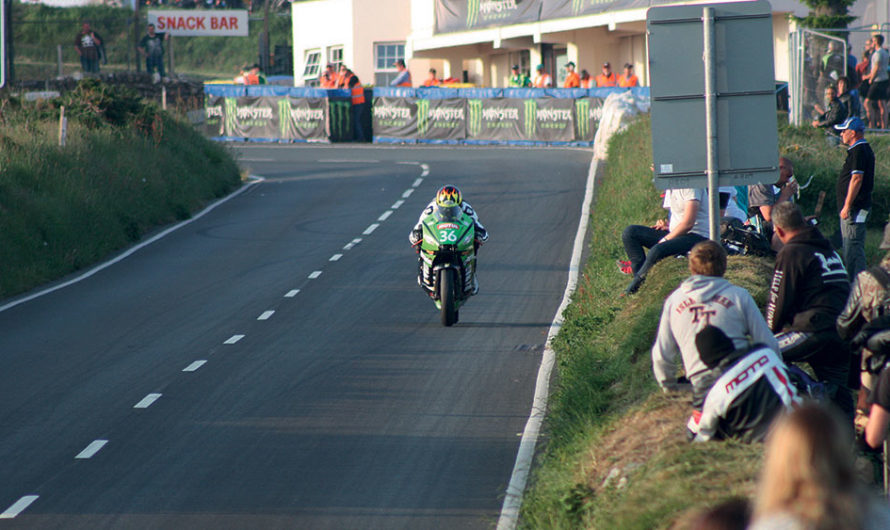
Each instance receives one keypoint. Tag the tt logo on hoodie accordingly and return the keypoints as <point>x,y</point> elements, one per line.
<point>701,313</point>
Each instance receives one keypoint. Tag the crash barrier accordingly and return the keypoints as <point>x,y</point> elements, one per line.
<point>515,116</point>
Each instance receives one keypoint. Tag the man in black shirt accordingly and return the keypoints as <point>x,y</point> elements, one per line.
<point>854,188</point>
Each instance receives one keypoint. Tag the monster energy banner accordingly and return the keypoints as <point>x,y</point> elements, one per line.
<point>303,119</point>
<point>554,120</point>
<point>462,15</point>
<point>214,115</point>
<point>396,117</point>
<point>441,119</point>
<point>574,8</point>
<point>588,112</point>
<point>251,117</point>
<point>498,119</point>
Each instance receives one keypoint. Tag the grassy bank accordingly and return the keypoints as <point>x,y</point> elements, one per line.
<point>127,168</point>
<point>615,454</point>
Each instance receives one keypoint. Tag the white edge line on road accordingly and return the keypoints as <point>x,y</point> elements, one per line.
<point>398,204</point>
<point>233,339</point>
<point>385,215</point>
<point>513,500</point>
<point>292,293</point>
<point>131,251</point>
<point>314,275</point>
<point>18,507</point>
<point>407,193</point>
<point>91,449</point>
<point>147,401</point>
<point>266,315</point>
<point>194,366</point>
<point>345,161</point>
<point>370,229</point>
<point>336,257</point>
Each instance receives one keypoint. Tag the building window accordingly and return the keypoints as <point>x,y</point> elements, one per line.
<point>311,67</point>
<point>385,54</point>
<point>335,57</point>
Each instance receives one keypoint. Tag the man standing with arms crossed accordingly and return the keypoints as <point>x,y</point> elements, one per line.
<point>854,187</point>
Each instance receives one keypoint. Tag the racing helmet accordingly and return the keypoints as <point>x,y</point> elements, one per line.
<point>448,197</point>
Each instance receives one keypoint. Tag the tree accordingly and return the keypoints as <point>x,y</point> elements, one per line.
<point>827,14</point>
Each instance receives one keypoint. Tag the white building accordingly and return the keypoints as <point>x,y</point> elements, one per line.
<point>369,34</point>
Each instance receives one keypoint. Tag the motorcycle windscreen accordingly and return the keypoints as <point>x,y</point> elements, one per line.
<point>451,214</point>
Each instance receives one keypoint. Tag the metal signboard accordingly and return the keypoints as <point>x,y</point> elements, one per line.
<point>729,47</point>
<point>195,23</point>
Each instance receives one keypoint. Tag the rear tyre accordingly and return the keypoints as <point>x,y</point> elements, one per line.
<point>447,297</point>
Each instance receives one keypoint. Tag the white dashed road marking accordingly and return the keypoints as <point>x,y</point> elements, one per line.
<point>417,182</point>
<point>385,215</point>
<point>370,229</point>
<point>398,204</point>
<point>18,507</point>
<point>407,193</point>
<point>352,243</point>
<point>91,449</point>
<point>266,315</point>
<point>233,339</point>
<point>314,275</point>
<point>426,170</point>
<point>291,294</point>
<point>147,401</point>
<point>194,366</point>
<point>336,257</point>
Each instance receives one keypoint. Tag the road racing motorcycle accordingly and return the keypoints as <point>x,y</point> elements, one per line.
<point>448,260</point>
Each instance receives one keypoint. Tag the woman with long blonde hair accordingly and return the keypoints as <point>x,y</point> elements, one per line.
<point>808,481</point>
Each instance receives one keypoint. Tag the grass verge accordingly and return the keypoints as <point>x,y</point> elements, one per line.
<point>126,169</point>
<point>607,417</point>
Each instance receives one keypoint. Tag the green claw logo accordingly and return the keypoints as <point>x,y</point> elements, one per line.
<point>423,116</point>
<point>531,118</point>
<point>475,122</point>
<point>283,117</point>
<point>472,13</point>
<point>231,115</point>
<point>341,118</point>
<point>577,6</point>
<point>582,117</point>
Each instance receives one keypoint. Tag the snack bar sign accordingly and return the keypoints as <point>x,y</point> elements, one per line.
<point>190,23</point>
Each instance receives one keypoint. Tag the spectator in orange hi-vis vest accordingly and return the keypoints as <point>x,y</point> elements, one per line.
<point>329,77</point>
<point>573,80</point>
<point>432,80</point>
<point>542,78</point>
<point>628,79</point>
<point>403,78</point>
<point>607,77</point>
<point>586,80</point>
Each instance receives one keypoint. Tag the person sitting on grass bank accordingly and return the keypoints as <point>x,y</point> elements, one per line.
<point>753,387</point>
<point>687,225</point>
<point>705,298</point>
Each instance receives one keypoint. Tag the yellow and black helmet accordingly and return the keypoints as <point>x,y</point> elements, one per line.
<point>448,197</point>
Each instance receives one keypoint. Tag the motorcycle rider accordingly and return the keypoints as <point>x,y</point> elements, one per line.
<point>446,198</point>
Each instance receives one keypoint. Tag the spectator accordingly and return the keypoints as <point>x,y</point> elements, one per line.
<point>862,68</point>
<point>432,80</point>
<point>763,197</point>
<point>586,80</point>
<point>518,79</point>
<point>607,77</point>
<point>87,44</point>
<point>751,386</point>
<point>833,113</point>
<point>704,298</point>
<point>403,78</point>
<point>328,77</point>
<point>808,292</point>
<point>628,78</point>
<point>850,98</point>
<point>151,46</point>
<point>868,301</point>
<point>879,82</point>
<point>854,190</point>
<point>349,80</point>
<point>542,78</point>
<point>831,67</point>
<point>257,74</point>
<point>879,400</point>
<point>573,80</point>
<point>688,224</point>
<point>729,205</point>
<point>808,480</point>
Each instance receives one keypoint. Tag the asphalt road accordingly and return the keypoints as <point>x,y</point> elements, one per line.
<point>274,363</point>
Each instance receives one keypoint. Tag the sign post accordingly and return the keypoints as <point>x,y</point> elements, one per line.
<point>3,59</point>
<point>713,97</point>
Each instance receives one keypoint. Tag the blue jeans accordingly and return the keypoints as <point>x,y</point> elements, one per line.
<point>637,238</point>
<point>853,235</point>
<point>155,63</point>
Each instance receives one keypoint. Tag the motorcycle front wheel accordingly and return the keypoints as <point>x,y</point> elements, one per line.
<point>447,285</point>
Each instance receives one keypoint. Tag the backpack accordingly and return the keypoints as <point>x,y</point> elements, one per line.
<point>744,240</point>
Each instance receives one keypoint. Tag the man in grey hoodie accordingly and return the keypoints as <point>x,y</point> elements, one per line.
<point>703,299</point>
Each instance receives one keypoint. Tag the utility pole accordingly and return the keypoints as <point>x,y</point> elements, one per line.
<point>264,41</point>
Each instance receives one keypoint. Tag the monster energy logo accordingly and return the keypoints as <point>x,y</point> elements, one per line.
<point>577,6</point>
<point>500,114</point>
<point>582,108</point>
<point>475,124</point>
<point>423,118</point>
<point>283,107</point>
<point>231,108</point>
<point>487,7</point>
<point>531,107</point>
<point>553,115</point>
<point>341,119</point>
